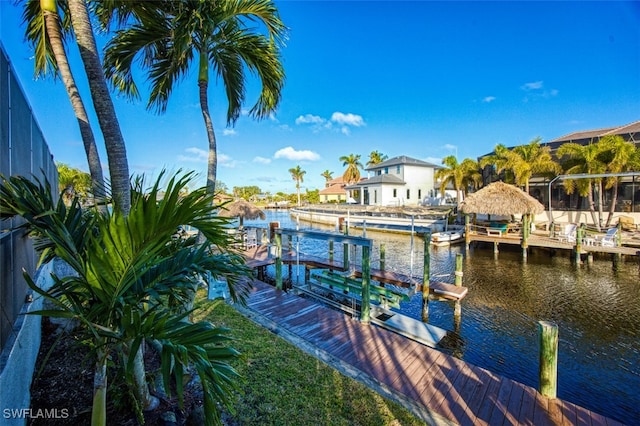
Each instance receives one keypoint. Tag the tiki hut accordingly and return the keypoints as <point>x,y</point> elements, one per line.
<point>241,209</point>
<point>501,199</point>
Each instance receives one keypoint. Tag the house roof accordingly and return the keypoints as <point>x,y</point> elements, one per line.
<point>378,179</point>
<point>403,159</point>
<point>597,133</point>
<point>333,189</point>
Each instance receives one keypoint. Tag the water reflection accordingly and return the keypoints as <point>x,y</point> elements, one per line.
<point>596,306</point>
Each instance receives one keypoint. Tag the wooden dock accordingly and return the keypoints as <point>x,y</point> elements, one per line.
<point>542,241</point>
<point>257,257</point>
<point>436,387</point>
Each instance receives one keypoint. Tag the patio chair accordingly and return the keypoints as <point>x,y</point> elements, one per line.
<point>609,239</point>
<point>568,234</point>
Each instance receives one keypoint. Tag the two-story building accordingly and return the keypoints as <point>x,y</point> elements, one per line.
<point>395,182</point>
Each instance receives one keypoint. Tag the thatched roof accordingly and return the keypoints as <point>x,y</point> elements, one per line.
<point>501,199</point>
<point>242,209</point>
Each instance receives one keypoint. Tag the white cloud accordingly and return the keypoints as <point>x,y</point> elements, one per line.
<point>536,90</point>
<point>450,147</point>
<point>262,160</point>
<point>347,119</point>
<point>229,132</point>
<point>489,99</point>
<point>535,85</point>
<point>197,155</point>
<point>345,130</point>
<point>226,161</point>
<point>290,153</point>
<point>309,119</point>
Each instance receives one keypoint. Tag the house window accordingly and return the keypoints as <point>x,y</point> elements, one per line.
<point>386,170</point>
<point>398,169</point>
<point>408,194</point>
<point>379,172</point>
<point>419,194</point>
<point>395,193</point>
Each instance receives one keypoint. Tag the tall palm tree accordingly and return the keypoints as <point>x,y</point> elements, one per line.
<point>297,174</point>
<point>584,159</point>
<point>214,35</point>
<point>45,31</point>
<point>523,161</point>
<point>352,172</point>
<point>103,105</point>
<point>376,157</point>
<point>327,175</point>
<point>621,156</point>
<point>461,175</point>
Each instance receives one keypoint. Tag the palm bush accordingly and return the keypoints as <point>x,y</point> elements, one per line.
<point>132,278</point>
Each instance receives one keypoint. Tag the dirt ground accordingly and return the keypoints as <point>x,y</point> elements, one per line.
<point>63,387</point>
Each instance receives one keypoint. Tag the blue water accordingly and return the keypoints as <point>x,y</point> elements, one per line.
<point>596,307</point>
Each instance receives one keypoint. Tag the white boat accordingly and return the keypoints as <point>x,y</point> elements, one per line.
<point>448,237</point>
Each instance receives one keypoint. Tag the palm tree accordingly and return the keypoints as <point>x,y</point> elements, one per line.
<point>130,275</point>
<point>352,172</point>
<point>215,35</point>
<point>376,157</point>
<point>73,183</point>
<point>44,31</point>
<point>584,159</point>
<point>327,175</point>
<point>523,161</point>
<point>102,104</point>
<point>461,175</point>
<point>621,156</point>
<point>297,174</point>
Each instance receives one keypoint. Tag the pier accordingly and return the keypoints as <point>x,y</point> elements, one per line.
<point>438,388</point>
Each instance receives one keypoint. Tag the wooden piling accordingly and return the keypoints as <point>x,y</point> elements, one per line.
<point>578,248</point>
<point>457,310</point>
<point>548,369</point>
<point>526,228</point>
<point>467,231</point>
<point>382,256</point>
<point>278,239</point>
<point>365,311</point>
<point>330,251</point>
<point>426,277</point>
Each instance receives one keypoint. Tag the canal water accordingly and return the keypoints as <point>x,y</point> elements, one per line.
<point>596,307</point>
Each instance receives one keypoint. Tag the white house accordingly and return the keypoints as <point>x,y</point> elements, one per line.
<point>395,182</point>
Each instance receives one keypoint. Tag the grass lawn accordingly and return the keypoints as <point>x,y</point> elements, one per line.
<point>282,385</point>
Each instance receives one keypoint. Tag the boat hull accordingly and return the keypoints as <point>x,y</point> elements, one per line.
<point>446,238</point>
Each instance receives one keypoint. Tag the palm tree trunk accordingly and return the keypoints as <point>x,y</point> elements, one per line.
<point>614,201</point>
<point>600,201</point>
<point>592,207</point>
<point>99,409</point>
<point>103,105</point>
<point>212,163</point>
<point>50,12</point>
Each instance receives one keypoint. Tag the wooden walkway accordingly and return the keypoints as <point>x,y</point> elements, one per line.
<point>438,388</point>
<point>257,257</point>
<point>552,243</point>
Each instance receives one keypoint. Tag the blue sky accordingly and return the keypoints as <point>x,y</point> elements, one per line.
<point>421,78</point>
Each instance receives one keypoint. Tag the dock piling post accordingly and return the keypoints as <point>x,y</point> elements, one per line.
<point>578,248</point>
<point>548,369</point>
<point>526,228</point>
<point>426,277</point>
<point>467,232</point>
<point>345,251</point>
<point>382,255</point>
<point>330,251</point>
<point>365,311</point>
<point>278,238</point>
<point>457,311</point>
